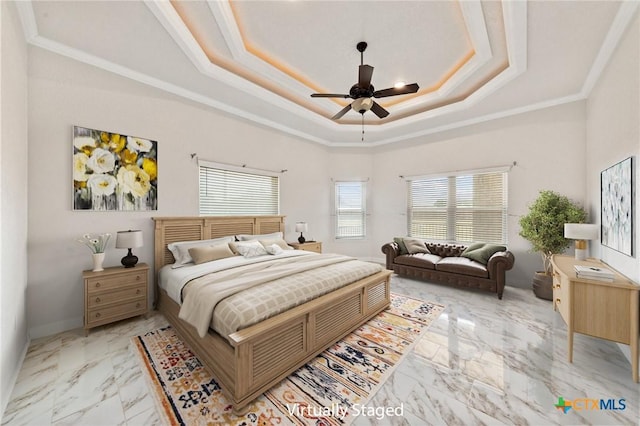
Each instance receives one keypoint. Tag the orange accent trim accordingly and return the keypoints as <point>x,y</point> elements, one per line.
<point>462,62</point>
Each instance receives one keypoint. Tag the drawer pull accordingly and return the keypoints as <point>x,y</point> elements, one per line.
<point>557,301</point>
<point>137,277</point>
<point>138,305</point>
<point>556,286</point>
<point>98,315</point>
<point>97,300</point>
<point>97,284</point>
<point>138,291</point>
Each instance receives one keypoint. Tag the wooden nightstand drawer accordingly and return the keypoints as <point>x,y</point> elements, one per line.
<point>314,246</point>
<point>98,284</point>
<point>100,316</point>
<point>117,296</point>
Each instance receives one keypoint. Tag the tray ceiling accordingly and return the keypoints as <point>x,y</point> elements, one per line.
<point>261,60</point>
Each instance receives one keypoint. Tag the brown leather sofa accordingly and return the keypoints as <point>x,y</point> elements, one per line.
<point>444,265</point>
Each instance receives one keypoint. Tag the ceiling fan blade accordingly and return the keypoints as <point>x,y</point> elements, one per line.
<point>364,76</point>
<point>393,91</point>
<point>342,112</point>
<point>378,110</point>
<point>329,95</point>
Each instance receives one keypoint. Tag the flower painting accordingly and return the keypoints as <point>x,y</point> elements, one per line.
<point>616,185</point>
<point>113,171</point>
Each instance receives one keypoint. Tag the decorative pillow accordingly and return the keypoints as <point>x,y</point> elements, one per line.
<point>481,252</point>
<point>415,245</point>
<point>245,237</point>
<point>400,242</point>
<point>277,241</point>
<point>209,253</point>
<point>273,249</point>
<point>180,250</point>
<point>248,248</point>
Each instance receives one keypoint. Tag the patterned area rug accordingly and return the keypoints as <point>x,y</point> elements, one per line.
<point>331,389</point>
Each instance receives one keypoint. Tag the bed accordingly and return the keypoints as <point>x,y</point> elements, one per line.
<point>253,359</point>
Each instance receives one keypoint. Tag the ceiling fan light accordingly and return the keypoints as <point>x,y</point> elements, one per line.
<point>399,84</point>
<point>362,105</point>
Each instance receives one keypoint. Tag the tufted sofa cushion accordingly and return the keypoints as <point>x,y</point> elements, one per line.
<point>464,266</point>
<point>420,260</point>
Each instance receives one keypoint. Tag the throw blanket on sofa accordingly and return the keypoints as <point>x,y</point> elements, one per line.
<point>201,295</point>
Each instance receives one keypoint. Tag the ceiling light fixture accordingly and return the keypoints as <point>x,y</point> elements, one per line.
<point>399,84</point>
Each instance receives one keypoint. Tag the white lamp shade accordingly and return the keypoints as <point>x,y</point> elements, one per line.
<point>129,239</point>
<point>301,227</point>
<point>581,231</point>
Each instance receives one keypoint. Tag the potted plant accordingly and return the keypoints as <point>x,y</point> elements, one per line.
<point>543,227</point>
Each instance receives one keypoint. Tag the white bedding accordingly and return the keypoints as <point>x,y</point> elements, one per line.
<point>173,280</point>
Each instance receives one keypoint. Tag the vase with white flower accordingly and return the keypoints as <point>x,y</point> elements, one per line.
<point>97,244</point>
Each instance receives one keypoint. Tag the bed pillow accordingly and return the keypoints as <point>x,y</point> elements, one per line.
<point>415,245</point>
<point>481,252</point>
<point>180,250</point>
<point>209,253</point>
<point>248,248</point>
<point>273,249</point>
<point>246,237</point>
<point>277,241</point>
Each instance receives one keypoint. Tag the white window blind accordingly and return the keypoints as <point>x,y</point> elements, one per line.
<point>463,208</point>
<point>350,209</point>
<point>233,193</point>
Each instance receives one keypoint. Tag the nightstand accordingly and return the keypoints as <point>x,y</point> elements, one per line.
<point>314,246</point>
<point>114,294</point>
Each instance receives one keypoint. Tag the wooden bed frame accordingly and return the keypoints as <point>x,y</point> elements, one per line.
<point>258,357</point>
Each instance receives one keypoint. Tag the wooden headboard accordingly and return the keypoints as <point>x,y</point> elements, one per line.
<point>173,229</point>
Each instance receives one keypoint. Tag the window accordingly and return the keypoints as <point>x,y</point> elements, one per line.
<point>228,192</point>
<point>350,209</point>
<point>463,207</point>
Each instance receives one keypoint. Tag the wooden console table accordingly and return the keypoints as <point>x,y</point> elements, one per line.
<point>608,310</point>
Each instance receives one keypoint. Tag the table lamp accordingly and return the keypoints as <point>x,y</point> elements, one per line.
<point>581,232</point>
<point>129,239</point>
<point>301,227</point>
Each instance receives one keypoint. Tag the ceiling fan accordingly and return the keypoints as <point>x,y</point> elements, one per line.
<point>363,91</point>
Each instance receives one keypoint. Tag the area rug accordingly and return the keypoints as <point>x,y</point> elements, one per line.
<point>332,389</point>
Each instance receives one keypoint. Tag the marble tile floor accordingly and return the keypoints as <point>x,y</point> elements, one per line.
<point>484,361</point>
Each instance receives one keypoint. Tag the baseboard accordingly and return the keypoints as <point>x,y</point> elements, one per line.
<point>14,378</point>
<point>56,327</point>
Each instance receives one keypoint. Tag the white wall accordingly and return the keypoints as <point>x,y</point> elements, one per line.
<point>613,134</point>
<point>547,145</point>
<point>63,93</point>
<point>13,198</point>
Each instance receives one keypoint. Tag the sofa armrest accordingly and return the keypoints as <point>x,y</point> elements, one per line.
<point>391,251</point>
<point>500,262</point>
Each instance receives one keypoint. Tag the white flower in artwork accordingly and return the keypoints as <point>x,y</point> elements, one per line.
<point>81,142</point>
<point>137,144</point>
<point>80,161</point>
<point>101,161</point>
<point>101,184</point>
<point>134,180</point>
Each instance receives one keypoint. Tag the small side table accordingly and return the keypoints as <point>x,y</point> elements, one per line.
<point>115,294</point>
<point>314,246</point>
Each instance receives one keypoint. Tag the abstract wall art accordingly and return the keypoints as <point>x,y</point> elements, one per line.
<point>112,171</point>
<point>616,192</point>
